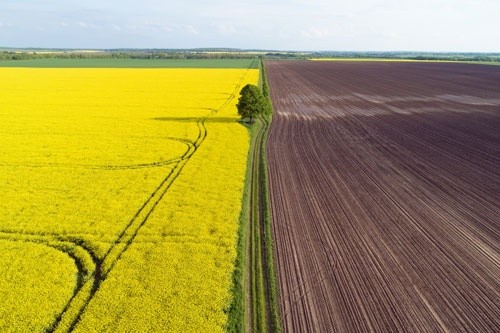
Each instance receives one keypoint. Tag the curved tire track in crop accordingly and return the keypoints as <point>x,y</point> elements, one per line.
<point>67,320</point>
<point>129,233</point>
<point>385,196</point>
<point>73,310</point>
<point>189,144</point>
<point>85,274</point>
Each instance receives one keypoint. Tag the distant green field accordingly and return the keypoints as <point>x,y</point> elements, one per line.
<point>133,63</point>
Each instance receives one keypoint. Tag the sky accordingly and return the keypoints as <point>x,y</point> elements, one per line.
<point>313,25</point>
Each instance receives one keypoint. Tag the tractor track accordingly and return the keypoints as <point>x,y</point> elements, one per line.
<point>72,312</point>
<point>129,233</point>
<point>260,315</point>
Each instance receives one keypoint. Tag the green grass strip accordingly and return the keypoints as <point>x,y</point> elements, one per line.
<point>272,297</point>
<point>236,311</point>
<point>254,306</point>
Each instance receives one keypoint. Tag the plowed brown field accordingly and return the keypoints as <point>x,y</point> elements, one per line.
<point>385,196</point>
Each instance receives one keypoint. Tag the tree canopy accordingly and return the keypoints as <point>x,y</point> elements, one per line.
<point>252,103</point>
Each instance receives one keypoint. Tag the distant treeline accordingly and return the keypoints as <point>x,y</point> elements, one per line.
<point>28,55</point>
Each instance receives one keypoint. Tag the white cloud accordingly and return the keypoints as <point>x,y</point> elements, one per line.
<point>86,25</point>
<point>167,28</point>
<point>225,29</point>
<point>148,26</point>
<point>191,30</point>
<point>315,33</point>
<point>5,25</point>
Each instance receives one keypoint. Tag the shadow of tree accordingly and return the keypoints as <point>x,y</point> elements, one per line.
<point>226,120</point>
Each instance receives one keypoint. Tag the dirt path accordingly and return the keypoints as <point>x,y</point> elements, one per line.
<point>385,196</point>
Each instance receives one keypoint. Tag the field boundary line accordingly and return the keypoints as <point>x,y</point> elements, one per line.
<point>262,308</point>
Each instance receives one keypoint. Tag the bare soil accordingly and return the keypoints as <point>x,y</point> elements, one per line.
<point>385,195</point>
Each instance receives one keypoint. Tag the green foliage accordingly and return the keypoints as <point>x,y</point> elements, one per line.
<point>236,310</point>
<point>252,103</point>
<point>265,88</point>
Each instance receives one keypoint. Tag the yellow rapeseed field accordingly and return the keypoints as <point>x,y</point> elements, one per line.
<point>121,192</point>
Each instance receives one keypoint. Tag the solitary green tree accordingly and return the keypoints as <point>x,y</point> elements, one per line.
<point>252,103</point>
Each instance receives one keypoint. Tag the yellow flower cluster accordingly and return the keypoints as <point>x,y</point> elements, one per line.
<point>36,282</point>
<point>133,178</point>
